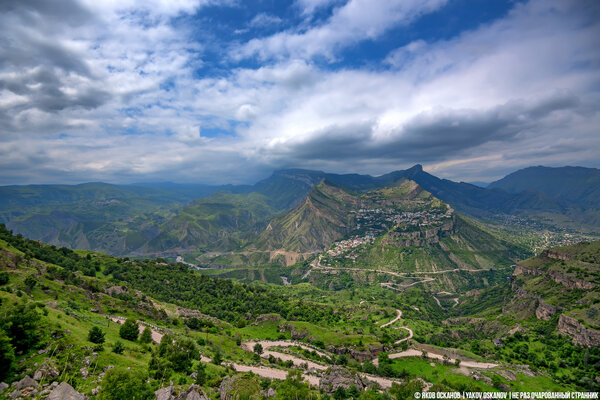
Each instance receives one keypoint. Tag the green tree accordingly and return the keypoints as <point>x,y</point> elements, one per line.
<point>118,348</point>
<point>293,387</point>
<point>160,368</point>
<point>146,336</point>
<point>369,367</point>
<point>96,335</point>
<point>217,358</point>
<point>7,355</point>
<point>4,278</point>
<point>129,330</point>
<point>383,358</point>
<point>182,353</point>
<point>201,373</point>
<point>353,392</point>
<point>340,393</point>
<point>23,325</point>
<point>258,349</point>
<point>30,282</point>
<point>406,390</point>
<point>119,384</point>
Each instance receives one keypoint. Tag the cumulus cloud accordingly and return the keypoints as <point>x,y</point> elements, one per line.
<point>355,21</point>
<point>115,91</point>
<point>308,7</point>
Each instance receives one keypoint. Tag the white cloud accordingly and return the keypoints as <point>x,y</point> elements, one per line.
<point>310,6</point>
<point>122,87</point>
<point>355,21</point>
<point>264,20</point>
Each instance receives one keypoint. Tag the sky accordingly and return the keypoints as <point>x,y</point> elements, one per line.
<point>226,91</point>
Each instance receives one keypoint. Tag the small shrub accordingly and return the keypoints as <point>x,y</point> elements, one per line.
<point>96,335</point>
<point>118,348</point>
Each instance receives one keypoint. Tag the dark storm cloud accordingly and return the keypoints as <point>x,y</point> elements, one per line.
<point>65,11</point>
<point>42,71</point>
<point>44,89</point>
<point>434,135</point>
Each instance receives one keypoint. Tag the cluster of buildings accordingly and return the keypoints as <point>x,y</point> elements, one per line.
<point>343,246</point>
<point>422,218</point>
<point>378,220</point>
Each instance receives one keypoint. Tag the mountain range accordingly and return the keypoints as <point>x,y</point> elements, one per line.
<point>168,219</point>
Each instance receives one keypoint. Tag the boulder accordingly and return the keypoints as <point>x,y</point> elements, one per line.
<point>46,370</point>
<point>26,382</point>
<point>226,388</point>
<point>64,391</point>
<point>3,386</point>
<point>337,376</point>
<point>545,311</point>
<point>164,393</point>
<point>194,392</point>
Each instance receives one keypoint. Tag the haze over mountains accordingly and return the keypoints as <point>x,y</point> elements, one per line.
<point>159,218</point>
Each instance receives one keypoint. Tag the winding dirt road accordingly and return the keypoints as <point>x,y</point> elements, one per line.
<point>398,316</point>
<point>313,380</point>
<point>463,363</point>
<point>274,373</point>
<point>410,332</point>
<point>432,355</point>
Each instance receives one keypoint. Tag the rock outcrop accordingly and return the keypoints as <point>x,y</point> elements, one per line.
<point>26,382</point>
<point>556,255</point>
<point>46,371</point>
<point>337,376</point>
<point>64,391</point>
<point>164,393</point>
<point>194,392</point>
<point>188,313</point>
<point>580,335</point>
<point>295,332</point>
<point>562,279</point>
<point>545,311</point>
<point>420,238</point>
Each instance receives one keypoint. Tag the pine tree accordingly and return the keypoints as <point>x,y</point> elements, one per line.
<point>96,335</point>
<point>146,336</point>
<point>129,330</point>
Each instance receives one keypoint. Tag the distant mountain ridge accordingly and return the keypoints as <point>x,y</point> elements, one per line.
<point>399,227</point>
<point>154,218</point>
<point>577,185</point>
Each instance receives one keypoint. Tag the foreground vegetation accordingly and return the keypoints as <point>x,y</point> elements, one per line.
<point>61,314</point>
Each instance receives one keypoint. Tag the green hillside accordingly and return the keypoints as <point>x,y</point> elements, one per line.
<point>322,217</point>
<point>216,222</point>
<point>561,283</point>
<point>222,227</point>
<point>54,298</point>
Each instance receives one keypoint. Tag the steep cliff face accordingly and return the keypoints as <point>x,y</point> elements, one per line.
<point>558,277</point>
<point>545,311</point>
<point>556,255</point>
<point>422,237</point>
<point>562,280</point>
<point>581,335</point>
<point>525,305</point>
